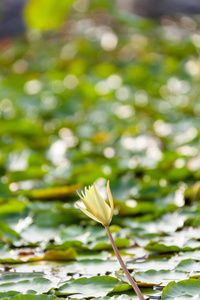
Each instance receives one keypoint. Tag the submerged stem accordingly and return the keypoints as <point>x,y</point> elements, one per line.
<point>128,275</point>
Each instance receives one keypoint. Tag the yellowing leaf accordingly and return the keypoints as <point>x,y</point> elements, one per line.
<point>69,254</point>
<point>53,192</point>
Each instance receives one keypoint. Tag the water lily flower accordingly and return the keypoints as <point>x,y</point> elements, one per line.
<point>96,207</point>
<point>98,210</point>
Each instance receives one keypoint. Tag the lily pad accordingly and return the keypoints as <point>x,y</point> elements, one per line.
<point>93,267</point>
<point>69,254</point>
<point>38,285</point>
<point>188,265</point>
<point>185,289</point>
<point>87,287</point>
<point>33,297</point>
<point>162,277</point>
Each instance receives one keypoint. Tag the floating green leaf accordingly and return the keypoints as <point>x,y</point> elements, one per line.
<point>87,287</point>
<point>34,297</point>
<point>37,285</point>
<point>184,289</point>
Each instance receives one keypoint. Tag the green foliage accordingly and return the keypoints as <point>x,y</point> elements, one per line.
<point>28,297</point>
<point>87,287</point>
<point>184,289</point>
<point>46,14</point>
<point>11,206</point>
<point>69,254</point>
<point>36,285</point>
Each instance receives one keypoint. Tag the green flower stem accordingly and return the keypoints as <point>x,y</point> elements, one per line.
<point>128,275</point>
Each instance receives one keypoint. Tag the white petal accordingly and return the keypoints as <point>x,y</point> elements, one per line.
<point>104,208</point>
<point>87,213</point>
<point>89,206</point>
<point>110,200</point>
<point>91,198</point>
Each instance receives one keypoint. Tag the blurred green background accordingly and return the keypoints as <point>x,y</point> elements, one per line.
<point>90,93</point>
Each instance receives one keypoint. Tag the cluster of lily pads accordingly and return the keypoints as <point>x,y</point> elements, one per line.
<point>112,98</point>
